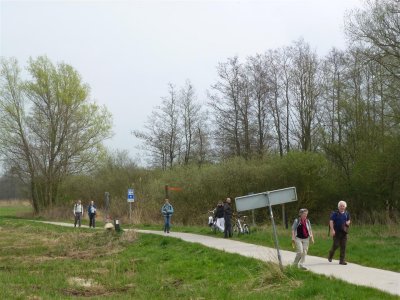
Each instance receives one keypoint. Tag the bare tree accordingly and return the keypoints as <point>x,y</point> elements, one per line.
<point>306,91</point>
<point>193,120</point>
<point>259,87</point>
<point>225,103</point>
<point>162,135</point>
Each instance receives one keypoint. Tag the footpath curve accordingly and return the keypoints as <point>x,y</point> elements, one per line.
<point>383,280</point>
<point>387,281</point>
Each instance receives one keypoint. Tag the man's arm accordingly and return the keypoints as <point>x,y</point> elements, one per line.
<point>331,226</point>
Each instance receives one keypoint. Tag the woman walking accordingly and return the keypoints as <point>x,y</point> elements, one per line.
<point>301,235</point>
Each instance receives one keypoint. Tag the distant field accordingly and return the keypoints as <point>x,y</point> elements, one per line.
<point>15,208</point>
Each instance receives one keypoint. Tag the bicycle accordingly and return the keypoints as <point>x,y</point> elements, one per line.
<point>240,226</point>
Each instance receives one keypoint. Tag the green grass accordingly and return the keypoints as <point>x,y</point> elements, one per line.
<point>41,261</point>
<point>10,210</point>
<point>372,246</point>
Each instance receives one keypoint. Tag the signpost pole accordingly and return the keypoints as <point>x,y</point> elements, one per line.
<point>284,217</point>
<point>275,234</point>
<point>130,198</point>
<point>130,211</point>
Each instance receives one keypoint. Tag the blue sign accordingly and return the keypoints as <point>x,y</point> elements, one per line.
<point>131,195</point>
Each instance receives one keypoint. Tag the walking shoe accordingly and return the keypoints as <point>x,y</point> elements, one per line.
<point>329,259</point>
<point>342,263</point>
<point>302,267</point>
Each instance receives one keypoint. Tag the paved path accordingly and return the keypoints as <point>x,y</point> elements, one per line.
<point>386,281</point>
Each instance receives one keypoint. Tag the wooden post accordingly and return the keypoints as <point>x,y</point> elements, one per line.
<point>166,192</point>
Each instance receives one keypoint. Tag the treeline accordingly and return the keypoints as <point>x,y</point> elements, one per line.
<point>344,106</point>
<point>318,182</point>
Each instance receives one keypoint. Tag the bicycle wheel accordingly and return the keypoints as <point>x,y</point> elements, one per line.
<point>235,229</point>
<point>239,229</point>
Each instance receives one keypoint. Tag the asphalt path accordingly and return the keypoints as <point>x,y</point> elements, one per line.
<point>387,281</point>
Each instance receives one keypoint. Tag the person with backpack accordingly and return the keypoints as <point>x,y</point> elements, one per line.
<point>78,212</point>
<point>339,224</point>
<point>301,235</point>
<point>92,214</point>
<point>167,210</point>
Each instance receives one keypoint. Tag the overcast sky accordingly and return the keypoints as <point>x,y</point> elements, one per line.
<point>128,51</point>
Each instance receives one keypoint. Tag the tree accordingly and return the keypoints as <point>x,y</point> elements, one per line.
<point>376,29</point>
<point>306,90</point>
<point>225,103</point>
<point>259,85</point>
<point>162,135</point>
<point>49,128</point>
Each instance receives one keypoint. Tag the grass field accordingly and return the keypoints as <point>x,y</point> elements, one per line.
<point>373,246</point>
<point>40,261</point>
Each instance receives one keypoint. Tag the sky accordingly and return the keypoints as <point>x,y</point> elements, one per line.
<point>129,51</point>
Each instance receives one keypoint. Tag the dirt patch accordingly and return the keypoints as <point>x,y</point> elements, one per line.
<point>88,288</point>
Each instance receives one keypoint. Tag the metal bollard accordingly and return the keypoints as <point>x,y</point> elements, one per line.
<point>116,225</point>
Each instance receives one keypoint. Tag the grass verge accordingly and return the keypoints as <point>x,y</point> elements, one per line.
<point>374,246</point>
<point>41,261</point>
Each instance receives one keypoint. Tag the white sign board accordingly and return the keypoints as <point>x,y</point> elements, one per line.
<point>131,195</point>
<point>282,196</point>
<point>251,201</point>
<point>265,199</point>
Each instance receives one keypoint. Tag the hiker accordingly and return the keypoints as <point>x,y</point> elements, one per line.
<point>338,224</point>
<point>227,218</point>
<point>167,210</point>
<point>92,214</point>
<point>78,212</point>
<point>301,235</point>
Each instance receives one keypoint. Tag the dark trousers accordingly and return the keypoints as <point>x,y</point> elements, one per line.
<point>78,217</point>
<point>92,220</point>
<point>339,240</point>
<point>228,227</point>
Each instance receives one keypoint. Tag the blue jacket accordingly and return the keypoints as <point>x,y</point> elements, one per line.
<point>339,219</point>
<point>167,209</point>
<point>90,212</point>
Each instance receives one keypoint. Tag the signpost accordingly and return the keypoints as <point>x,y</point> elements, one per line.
<point>265,199</point>
<point>131,198</point>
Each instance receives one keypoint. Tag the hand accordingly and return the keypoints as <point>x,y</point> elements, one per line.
<point>312,239</point>
<point>333,232</point>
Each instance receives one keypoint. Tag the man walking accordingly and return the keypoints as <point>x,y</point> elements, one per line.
<point>92,214</point>
<point>167,210</point>
<point>227,218</point>
<point>78,212</point>
<point>339,224</point>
